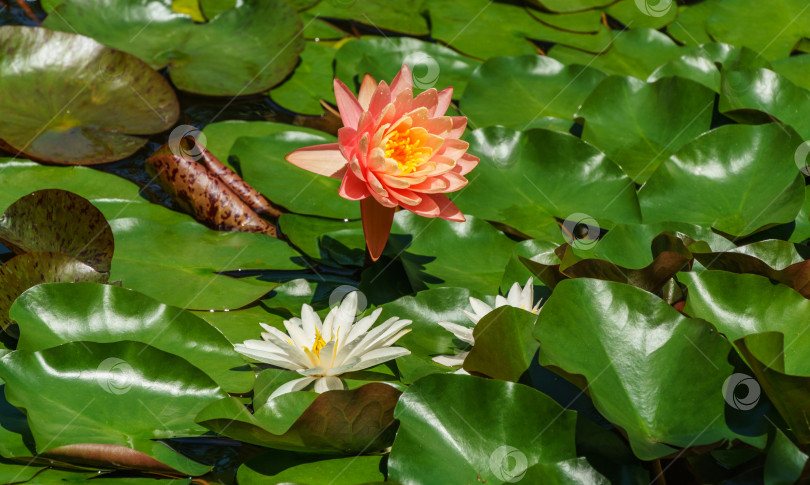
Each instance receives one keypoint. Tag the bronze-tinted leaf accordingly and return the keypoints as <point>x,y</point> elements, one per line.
<point>203,195</point>
<point>30,269</point>
<point>354,421</point>
<point>670,256</point>
<point>58,221</point>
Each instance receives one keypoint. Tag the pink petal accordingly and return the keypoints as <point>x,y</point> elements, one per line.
<point>459,125</point>
<point>445,97</point>
<point>395,182</point>
<point>321,159</point>
<point>465,164</point>
<point>427,207</point>
<point>453,148</point>
<point>402,81</point>
<point>380,99</point>
<point>440,126</point>
<point>406,198</point>
<point>376,160</point>
<point>350,109</point>
<point>347,141</point>
<point>367,88</point>
<point>448,210</point>
<point>428,99</point>
<point>376,226</point>
<point>353,188</point>
<point>433,185</point>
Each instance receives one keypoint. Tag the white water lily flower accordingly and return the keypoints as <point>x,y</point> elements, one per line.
<point>518,297</point>
<point>321,352</point>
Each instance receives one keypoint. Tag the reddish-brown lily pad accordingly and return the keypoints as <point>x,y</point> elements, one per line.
<point>30,269</point>
<point>75,101</point>
<point>58,221</point>
<point>354,421</point>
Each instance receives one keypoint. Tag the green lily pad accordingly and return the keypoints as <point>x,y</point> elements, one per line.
<point>53,314</point>
<point>426,309</point>
<point>709,181</point>
<point>504,346</point>
<point>394,15</point>
<point>200,56</point>
<point>30,269</point>
<point>538,87</point>
<point>180,264</point>
<point>795,69</point>
<point>700,65</point>
<point>468,427</point>
<point>58,221</point>
<point>639,124</point>
<point>221,136</point>
<point>113,393</point>
<point>432,65</point>
<point>547,175</point>
<point>648,14</point>
<point>463,25</point>
<point>436,252</point>
<point>785,461</point>
<point>274,467</point>
<point>310,83</point>
<point>566,6</point>
<point>351,421</point>
<point>766,91</point>
<point>740,22</point>
<point>88,106</point>
<point>690,27</point>
<point>21,177</point>
<point>634,52</point>
<point>615,335</point>
<point>15,435</point>
<point>297,190</point>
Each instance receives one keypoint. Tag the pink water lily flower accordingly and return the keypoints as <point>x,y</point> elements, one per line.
<point>394,150</point>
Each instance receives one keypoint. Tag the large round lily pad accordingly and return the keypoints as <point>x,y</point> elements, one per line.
<point>243,50</point>
<point>76,101</point>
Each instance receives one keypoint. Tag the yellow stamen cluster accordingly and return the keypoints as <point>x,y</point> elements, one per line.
<point>406,151</point>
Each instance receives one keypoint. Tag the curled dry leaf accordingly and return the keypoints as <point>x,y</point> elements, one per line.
<point>58,221</point>
<point>97,455</point>
<point>203,194</point>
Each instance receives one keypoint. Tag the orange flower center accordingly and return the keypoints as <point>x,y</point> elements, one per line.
<point>406,150</point>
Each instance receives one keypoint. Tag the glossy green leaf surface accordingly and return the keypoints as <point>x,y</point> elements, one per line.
<point>200,57</point>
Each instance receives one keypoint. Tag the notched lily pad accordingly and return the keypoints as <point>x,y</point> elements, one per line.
<point>353,421</point>
<point>30,269</point>
<point>504,346</point>
<point>59,221</point>
<point>77,102</point>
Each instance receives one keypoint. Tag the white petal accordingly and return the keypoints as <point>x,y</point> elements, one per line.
<point>513,297</point>
<point>392,340</point>
<point>310,323</point>
<point>459,331</point>
<point>327,354</point>
<point>267,357</point>
<point>378,336</point>
<point>291,386</point>
<point>363,325</point>
<point>378,356</point>
<point>297,334</point>
<point>451,360</point>
<point>473,317</point>
<point>501,301</point>
<point>327,329</point>
<point>328,384</point>
<point>479,307</point>
<point>527,295</point>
